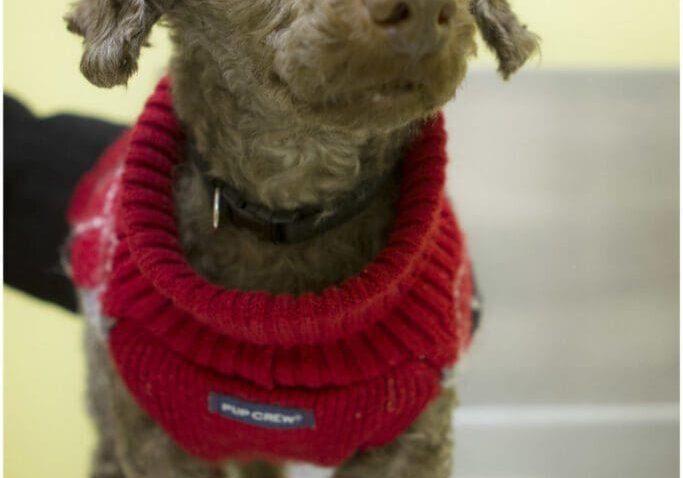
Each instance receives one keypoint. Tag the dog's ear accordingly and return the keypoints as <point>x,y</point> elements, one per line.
<point>502,31</point>
<point>113,32</point>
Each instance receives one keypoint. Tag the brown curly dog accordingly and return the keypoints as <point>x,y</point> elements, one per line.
<point>293,102</point>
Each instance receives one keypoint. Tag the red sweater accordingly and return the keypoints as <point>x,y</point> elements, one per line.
<point>232,374</point>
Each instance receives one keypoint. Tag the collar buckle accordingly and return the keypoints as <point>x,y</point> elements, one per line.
<point>216,216</point>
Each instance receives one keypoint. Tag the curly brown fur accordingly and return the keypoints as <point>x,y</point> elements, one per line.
<point>293,102</point>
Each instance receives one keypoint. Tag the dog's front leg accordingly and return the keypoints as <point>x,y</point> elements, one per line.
<point>131,444</point>
<point>425,450</point>
<point>105,463</point>
<point>143,447</point>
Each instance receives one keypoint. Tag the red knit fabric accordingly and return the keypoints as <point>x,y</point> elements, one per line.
<point>365,357</point>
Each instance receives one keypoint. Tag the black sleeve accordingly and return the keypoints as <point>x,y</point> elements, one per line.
<point>43,160</point>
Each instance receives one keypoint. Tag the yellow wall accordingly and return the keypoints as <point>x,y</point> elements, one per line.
<point>41,58</point>
<point>47,433</point>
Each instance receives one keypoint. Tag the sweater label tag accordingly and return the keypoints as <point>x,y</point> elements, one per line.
<point>260,415</point>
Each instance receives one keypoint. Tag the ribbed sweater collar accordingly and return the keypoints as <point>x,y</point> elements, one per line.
<point>151,230</point>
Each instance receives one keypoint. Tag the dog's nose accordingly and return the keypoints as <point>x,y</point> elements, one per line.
<point>416,27</point>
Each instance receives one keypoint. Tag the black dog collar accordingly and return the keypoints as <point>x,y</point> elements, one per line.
<point>284,226</point>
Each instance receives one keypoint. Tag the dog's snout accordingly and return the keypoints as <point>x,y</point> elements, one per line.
<point>416,27</point>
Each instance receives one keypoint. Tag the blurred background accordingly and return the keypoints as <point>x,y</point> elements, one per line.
<point>567,182</point>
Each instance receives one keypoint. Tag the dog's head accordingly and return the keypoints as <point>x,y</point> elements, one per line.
<point>381,62</point>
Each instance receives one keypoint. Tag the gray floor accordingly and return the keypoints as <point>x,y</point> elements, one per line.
<point>567,184</point>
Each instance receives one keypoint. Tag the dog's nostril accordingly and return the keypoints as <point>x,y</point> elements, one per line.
<point>446,13</point>
<point>398,13</point>
<point>275,78</point>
